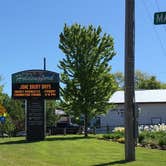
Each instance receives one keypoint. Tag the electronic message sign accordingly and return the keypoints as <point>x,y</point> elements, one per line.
<point>35,86</point>
<point>35,83</point>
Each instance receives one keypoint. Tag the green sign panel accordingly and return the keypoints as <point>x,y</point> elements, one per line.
<point>160,18</point>
<point>35,76</point>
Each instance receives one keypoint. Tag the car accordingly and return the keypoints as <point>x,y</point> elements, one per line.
<point>21,133</point>
<point>89,130</point>
<point>4,135</point>
<point>64,128</point>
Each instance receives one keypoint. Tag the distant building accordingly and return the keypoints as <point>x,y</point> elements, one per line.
<point>151,106</point>
<point>63,117</point>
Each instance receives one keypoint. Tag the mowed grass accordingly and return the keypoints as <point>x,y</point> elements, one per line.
<point>73,151</point>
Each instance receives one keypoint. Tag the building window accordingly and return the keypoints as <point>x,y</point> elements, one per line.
<point>120,112</point>
<point>156,120</point>
<point>97,123</point>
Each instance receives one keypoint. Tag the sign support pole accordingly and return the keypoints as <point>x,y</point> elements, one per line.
<point>129,80</point>
<point>44,63</point>
<point>35,119</point>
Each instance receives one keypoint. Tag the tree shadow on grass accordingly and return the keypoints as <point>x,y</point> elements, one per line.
<point>67,138</point>
<point>53,138</point>
<point>15,142</point>
<point>112,163</point>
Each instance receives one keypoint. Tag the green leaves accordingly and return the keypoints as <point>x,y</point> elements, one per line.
<point>51,118</point>
<point>142,81</point>
<point>86,70</point>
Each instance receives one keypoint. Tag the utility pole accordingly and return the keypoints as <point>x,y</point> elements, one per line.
<point>129,80</point>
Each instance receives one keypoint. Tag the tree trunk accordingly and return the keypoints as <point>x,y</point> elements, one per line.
<point>86,125</point>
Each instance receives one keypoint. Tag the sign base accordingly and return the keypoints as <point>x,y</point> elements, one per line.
<point>35,122</point>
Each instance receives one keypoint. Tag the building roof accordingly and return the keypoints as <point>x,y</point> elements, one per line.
<point>141,96</point>
<point>59,112</point>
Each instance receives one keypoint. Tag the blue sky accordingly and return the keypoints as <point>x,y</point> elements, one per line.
<point>29,31</point>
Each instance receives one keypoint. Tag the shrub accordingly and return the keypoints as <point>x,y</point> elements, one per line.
<point>115,135</point>
<point>121,140</point>
<point>149,138</point>
<point>141,137</point>
<point>153,139</point>
<point>119,129</point>
<point>162,141</point>
<point>106,136</point>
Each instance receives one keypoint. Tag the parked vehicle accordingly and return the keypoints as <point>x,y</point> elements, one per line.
<point>63,128</point>
<point>4,135</point>
<point>21,133</point>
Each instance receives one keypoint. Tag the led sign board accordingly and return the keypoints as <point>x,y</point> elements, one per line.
<point>46,91</point>
<point>35,83</point>
<point>35,86</point>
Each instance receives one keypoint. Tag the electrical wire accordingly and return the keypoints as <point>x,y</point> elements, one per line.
<point>156,32</point>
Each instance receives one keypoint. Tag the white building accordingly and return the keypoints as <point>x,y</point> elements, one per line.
<point>151,104</point>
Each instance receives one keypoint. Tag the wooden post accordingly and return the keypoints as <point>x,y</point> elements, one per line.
<point>129,80</point>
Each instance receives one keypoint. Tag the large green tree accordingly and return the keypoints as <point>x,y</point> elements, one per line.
<point>149,83</point>
<point>86,71</point>
<point>15,109</point>
<point>51,117</point>
<point>1,91</point>
<point>142,81</point>
<point>119,78</point>
<point>7,126</point>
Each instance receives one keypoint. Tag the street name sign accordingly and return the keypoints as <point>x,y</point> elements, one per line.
<point>160,18</point>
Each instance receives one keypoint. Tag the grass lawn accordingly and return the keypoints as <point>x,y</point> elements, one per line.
<point>73,151</point>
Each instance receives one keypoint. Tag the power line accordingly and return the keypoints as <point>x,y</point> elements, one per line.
<point>156,32</point>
